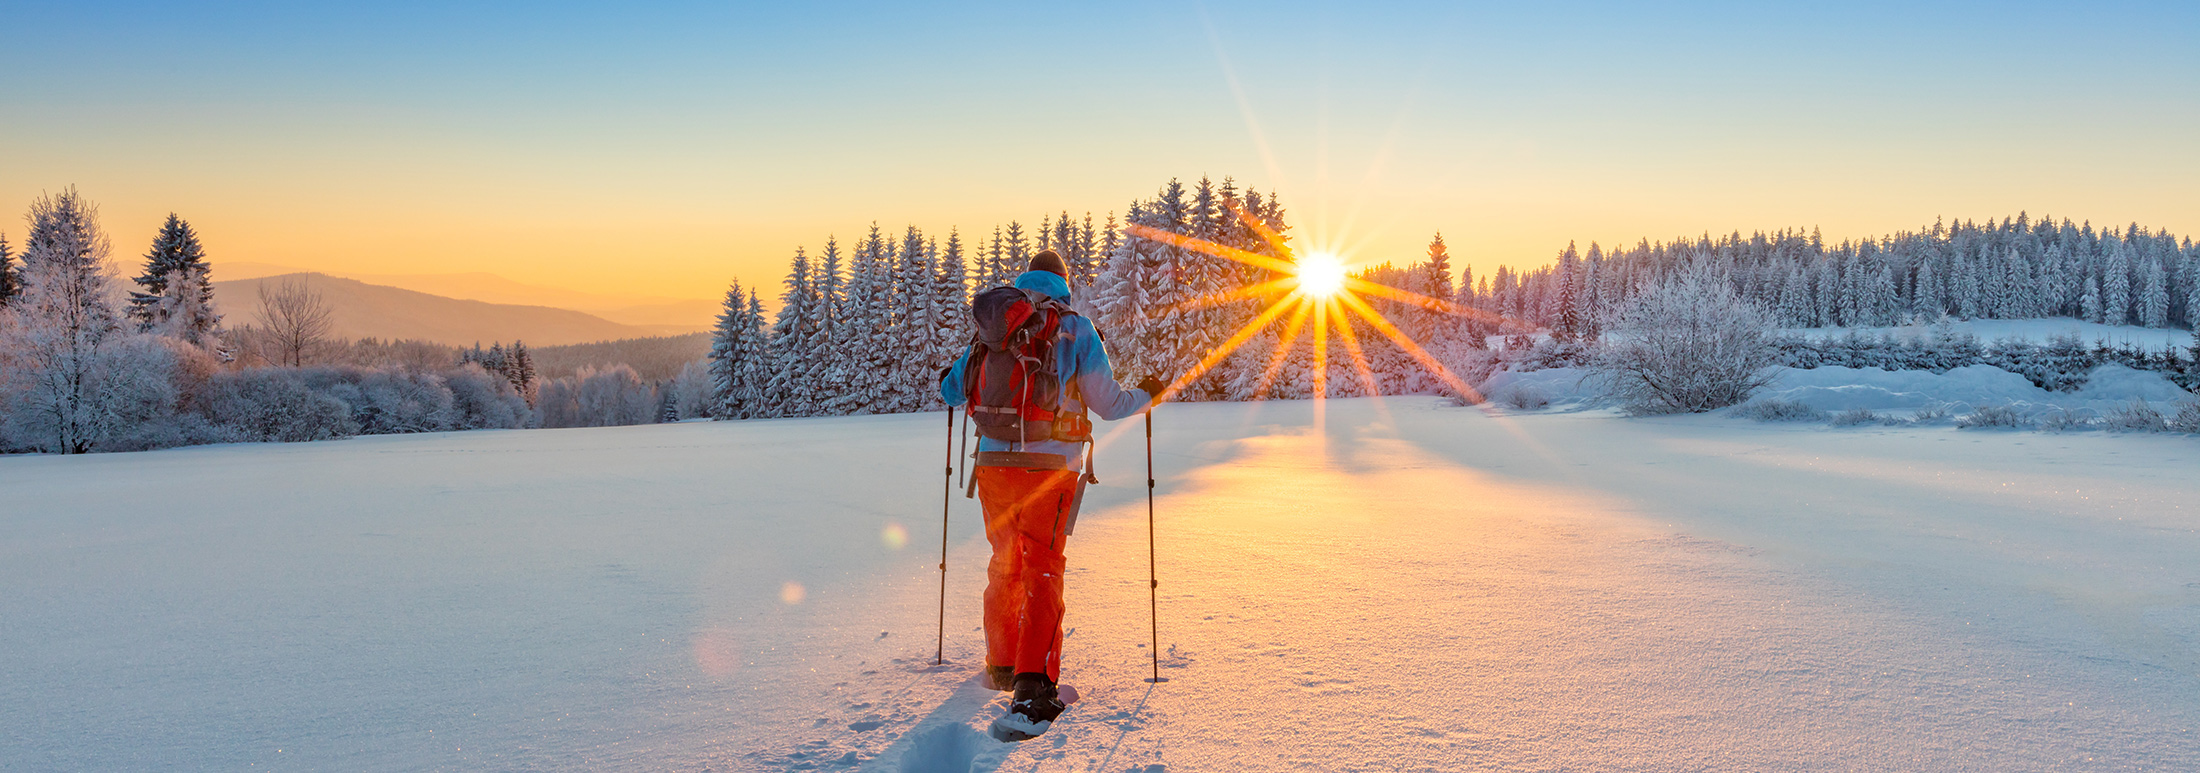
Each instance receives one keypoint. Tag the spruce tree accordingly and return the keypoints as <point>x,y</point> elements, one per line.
<point>726,339</point>
<point>2154,296</point>
<point>175,258</point>
<point>7,272</point>
<point>1567,315</point>
<point>2116,285</point>
<point>794,345</point>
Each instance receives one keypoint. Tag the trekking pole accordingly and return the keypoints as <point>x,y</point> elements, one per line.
<point>1153,586</point>
<point>947,491</point>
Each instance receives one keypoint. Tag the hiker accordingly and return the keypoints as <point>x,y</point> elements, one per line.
<point>1030,413</point>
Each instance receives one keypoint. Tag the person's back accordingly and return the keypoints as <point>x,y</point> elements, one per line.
<point>1030,485</point>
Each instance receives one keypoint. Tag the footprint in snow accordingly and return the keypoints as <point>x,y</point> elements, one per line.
<point>943,749</point>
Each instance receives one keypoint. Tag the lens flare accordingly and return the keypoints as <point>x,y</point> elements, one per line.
<point>1320,274</point>
<point>894,535</point>
<point>792,593</point>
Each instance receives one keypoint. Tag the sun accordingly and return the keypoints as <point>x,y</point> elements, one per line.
<point>1320,274</point>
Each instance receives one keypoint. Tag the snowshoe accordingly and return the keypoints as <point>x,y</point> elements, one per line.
<point>1032,708</point>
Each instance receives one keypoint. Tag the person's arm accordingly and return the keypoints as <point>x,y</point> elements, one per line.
<point>951,385</point>
<point>1096,378</point>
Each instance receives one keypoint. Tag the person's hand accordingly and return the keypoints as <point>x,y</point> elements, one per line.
<point>1152,387</point>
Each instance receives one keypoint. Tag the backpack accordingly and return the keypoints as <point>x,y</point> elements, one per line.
<point>1012,380</point>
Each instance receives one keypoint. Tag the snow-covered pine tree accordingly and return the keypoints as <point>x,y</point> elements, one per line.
<point>990,272</point>
<point>2192,290</point>
<point>7,272</point>
<point>519,369</point>
<point>726,353</point>
<point>913,331</point>
<point>840,328</point>
<point>1015,252</point>
<point>2090,304</point>
<point>794,345</point>
<point>2154,294</point>
<point>1087,265</point>
<point>51,333</point>
<point>2116,284</point>
<point>950,313</point>
<point>176,258</point>
<point>1566,314</point>
<point>860,373</point>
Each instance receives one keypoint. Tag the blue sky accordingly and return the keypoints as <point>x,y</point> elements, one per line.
<point>691,143</point>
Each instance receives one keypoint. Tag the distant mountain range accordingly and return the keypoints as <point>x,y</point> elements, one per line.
<point>681,315</point>
<point>363,310</point>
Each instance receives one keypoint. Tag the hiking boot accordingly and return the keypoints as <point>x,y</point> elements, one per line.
<point>1032,708</point>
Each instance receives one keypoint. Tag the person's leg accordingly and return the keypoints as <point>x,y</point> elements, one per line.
<point>1000,492</point>
<point>1042,519</point>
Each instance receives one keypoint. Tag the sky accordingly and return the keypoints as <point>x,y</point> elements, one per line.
<point>667,148</point>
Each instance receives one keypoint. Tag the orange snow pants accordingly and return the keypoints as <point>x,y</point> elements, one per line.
<point>1027,518</point>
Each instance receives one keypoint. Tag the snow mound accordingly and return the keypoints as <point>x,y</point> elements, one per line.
<point>1835,388</point>
<point>1550,387</point>
<point>2038,331</point>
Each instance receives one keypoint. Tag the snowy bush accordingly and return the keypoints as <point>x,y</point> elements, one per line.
<point>1778,410</point>
<point>388,402</point>
<point>2137,416</point>
<point>1994,416</point>
<point>1931,413</point>
<point>1689,345</point>
<point>1857,417</point>
<point>274,405</point>
<point>480,400</point>
<point>610,397</point>
<point>2065,421</point>
<point>2187,418</point>
<point>691,391</point>
<point>1526,398</point>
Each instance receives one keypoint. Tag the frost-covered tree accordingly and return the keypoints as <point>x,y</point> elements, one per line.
<point>53,331</point>
<point>1567,327</point>
<point>2154,295</point>
<point>2116,285</point>
<point>1690,344</point>
<point>738,364</point>
<point>795,343</point>
<point>174,294</point>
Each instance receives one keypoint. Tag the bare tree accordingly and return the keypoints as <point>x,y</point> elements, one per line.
<point>294,321</point>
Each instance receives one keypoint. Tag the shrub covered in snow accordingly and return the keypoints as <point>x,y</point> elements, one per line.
<point>1524,397</point>
<point>274,405</point>
<point>1857,417</point>
<point>2136,416</point>
<point>2066,421</point>
<point>1994,416</point>
<point>1689,345</point>
<point>610,397</point>
<point>1778,410</point>
<point>2187,418</point>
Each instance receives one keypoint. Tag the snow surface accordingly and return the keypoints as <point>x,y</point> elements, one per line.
<point>1363,585</point>
<point>2037,331</point>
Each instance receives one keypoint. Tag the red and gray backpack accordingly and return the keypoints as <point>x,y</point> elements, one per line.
<point>1014,385</point>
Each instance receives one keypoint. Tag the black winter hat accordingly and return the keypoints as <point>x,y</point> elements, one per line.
<point>1047,260</point>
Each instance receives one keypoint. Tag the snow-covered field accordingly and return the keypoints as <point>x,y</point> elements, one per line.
<point>1365,585</point>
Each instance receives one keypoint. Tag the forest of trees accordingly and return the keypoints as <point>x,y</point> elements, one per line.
<point>867,329</point>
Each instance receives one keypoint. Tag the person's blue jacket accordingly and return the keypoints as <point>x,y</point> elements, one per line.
<point>1083,359</point>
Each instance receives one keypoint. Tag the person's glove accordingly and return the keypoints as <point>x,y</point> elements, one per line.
<point>1152,386</point>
